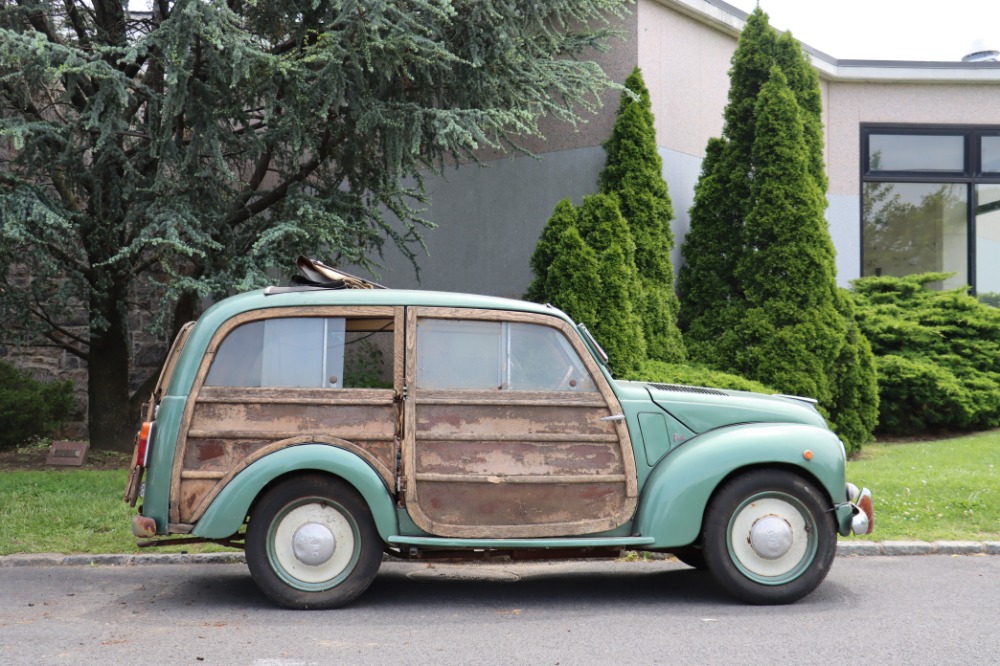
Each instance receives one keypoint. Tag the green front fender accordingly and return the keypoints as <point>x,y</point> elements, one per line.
<point>678,490</point>
<point>228,511</point>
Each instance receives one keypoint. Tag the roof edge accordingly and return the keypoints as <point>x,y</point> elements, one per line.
<point>730,20</point>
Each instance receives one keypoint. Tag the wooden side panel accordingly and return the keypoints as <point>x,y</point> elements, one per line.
<point>509,464</point>
<point>529,469</point>
<point>232,427</point>
<point>533,508</point>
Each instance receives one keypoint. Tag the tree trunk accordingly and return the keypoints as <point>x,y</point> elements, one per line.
<point>110,421</point>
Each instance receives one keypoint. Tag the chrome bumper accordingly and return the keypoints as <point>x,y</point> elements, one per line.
<point>862,514</point>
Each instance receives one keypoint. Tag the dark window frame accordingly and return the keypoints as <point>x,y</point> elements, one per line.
<point>971,175</point>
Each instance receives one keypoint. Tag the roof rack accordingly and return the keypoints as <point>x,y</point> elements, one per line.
<point>317,275</point>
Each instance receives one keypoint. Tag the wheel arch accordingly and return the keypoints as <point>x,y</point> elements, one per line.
<point>229,510</point>
<point>678,491</point>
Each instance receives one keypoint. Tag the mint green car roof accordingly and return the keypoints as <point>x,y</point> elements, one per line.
<point>215,316</point>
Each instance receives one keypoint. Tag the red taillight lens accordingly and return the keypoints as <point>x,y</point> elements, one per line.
<point>145,438</point>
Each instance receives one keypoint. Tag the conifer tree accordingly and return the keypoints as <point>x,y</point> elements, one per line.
<point>718,215</point>
<point>634,174</point>
<point>193,149</point>
<point>572,278</point>
<point>548,250</point>
<point>584,264</point>
<point>790,330</point>
<point>617,326</point>
<point>758,288</point>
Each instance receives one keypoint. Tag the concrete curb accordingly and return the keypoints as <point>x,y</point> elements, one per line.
<point>844,549</point>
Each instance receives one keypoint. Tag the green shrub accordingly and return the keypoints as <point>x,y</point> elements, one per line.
<point>855,387</point>
<point>695,375</point>
<point>29,408</point>
<point>921,396</point>
<point>937,354</point>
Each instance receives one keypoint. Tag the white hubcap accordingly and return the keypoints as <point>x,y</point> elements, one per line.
<point>314,543</point>
<point>769,537</point>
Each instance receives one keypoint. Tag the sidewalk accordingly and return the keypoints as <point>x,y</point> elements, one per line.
<point>844,549</point>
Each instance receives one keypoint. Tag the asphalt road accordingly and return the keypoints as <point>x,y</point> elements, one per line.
<point>932,609</point>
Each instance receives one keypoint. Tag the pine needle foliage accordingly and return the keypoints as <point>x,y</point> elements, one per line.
<point>937,353</point>
<point>584,264</point>
<point>149,160</point>
<point>634,174</point>
<point>758,289</point>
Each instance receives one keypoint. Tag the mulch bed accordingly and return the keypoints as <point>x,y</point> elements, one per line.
<point>33,457</point>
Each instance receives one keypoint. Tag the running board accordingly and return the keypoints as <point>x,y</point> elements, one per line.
<point>569,542</point>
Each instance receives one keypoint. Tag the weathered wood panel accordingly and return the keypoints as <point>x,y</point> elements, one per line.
<point>506,464</point>
<point>519,457</point>
<point>229,427</point>
<point>524,418</point>
<point>536,505</point>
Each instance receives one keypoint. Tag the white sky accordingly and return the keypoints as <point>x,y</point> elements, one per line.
<point>886,29</point>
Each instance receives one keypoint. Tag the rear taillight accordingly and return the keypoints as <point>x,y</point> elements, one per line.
<point>143,445</point>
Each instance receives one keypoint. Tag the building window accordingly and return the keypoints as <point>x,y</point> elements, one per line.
<point>930,202</point>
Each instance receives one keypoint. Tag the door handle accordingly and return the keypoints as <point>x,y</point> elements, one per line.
<point>613,417</point>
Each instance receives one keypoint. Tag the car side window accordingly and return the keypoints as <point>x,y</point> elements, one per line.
<point>306,352</point>
<point>492,355</point>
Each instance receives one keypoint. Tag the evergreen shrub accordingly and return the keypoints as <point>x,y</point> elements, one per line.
<point>696,375</point>
<point>937,354</point>
<point>759,294</point>
<point>29,408</point>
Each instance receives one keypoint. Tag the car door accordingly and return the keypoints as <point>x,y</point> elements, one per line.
<point>510,428</point>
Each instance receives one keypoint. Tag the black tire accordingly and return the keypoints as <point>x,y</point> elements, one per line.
<point>311,543</point>
<point>769,537</point>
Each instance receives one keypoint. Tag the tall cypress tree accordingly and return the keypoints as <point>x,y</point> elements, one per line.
<point>790,330</point>
<point>759,293</point>
<point>718,215</point>
<point>634,174</point>
<point>548,249</point>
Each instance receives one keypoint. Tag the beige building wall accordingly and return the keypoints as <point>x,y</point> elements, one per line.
<point>851,103</point>
<point>685,63</point>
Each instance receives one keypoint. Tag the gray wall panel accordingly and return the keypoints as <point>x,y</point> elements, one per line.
<point>489,219</point>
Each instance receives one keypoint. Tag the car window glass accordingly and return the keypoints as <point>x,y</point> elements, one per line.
<point>458,354</point>
<point>487,355</point>
<point>306,352</point>
<point>541,359</point>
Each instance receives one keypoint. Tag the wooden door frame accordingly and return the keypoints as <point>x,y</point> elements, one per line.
<point>608,400</point>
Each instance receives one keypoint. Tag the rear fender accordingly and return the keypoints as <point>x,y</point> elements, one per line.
<point>229,510</point>
<point>679,488</point>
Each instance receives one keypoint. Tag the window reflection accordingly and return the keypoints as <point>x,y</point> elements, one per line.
<point>988,243</point>
<point>915,228</point>
<point>990,154</point>
<point>306,352</point>
<point>916,152</point>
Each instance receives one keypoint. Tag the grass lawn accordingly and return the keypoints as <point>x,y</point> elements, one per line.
<point>946,489</point>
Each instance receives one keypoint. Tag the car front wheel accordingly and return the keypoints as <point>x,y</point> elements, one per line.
<point>769,537</point>
<point>312,543</point>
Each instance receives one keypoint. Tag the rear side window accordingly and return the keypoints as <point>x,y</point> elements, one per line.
<point>306,352</point>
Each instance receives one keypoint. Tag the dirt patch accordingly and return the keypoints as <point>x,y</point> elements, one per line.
<point>32,457</point>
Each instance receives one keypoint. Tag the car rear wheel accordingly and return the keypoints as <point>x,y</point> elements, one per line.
<point>312,543</point>
<point>769,537</point>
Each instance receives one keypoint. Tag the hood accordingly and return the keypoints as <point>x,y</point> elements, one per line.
<point>702,409</point>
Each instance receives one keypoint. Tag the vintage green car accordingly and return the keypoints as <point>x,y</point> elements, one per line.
<point>321,427</point>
